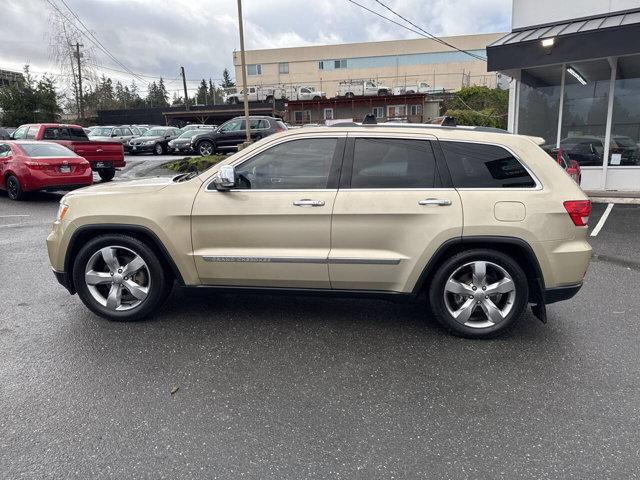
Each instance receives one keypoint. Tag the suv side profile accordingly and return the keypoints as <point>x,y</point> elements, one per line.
<point>230,134</point>
<point>480,222</point>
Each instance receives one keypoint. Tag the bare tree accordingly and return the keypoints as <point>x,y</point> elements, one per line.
<point>63,35</point>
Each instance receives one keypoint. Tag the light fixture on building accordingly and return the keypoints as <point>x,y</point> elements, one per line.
<point>574,73</point>
<point>548,42</point>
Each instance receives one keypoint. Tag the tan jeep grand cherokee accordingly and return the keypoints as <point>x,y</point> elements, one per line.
<point>483,222</point>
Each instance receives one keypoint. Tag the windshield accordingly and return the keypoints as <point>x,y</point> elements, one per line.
<point>154,132</point>
<point>194,132</point>
<point>101,132</point>
<point>46,150</point>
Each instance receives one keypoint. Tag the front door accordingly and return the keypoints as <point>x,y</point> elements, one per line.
<point>231,134</point>
<point>391,214</point>
<point>273,229</point>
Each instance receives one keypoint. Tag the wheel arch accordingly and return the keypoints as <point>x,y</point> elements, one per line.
<point>515,247</point>
<point>87,232</point>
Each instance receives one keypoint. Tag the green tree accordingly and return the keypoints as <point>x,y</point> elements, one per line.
<point>203,91</point>
<point>226,79</point>
<point>29,101</point>
<point>476,105</point>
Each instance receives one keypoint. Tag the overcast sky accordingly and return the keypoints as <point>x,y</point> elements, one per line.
<point>155,37</point>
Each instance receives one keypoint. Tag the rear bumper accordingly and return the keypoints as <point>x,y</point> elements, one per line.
<point>558,294</point>
<point>64,280</point>
<point>38,180</point>
<point>108,164</point>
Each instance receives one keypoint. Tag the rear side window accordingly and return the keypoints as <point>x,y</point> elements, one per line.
<point>77,134</point>
<point>55,133</point>
<point>392,163</point>
<point>478,165</point>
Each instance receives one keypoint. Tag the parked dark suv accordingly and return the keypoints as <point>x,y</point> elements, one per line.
<point>232,133</point>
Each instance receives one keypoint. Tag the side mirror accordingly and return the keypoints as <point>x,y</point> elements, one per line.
<point>225,178</point>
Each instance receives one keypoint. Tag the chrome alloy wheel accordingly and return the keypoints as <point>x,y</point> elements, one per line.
<point>479,294</point>
<point>117,278</point>
<point>205,149</point>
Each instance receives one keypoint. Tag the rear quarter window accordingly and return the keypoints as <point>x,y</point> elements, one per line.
<point>480,165</point>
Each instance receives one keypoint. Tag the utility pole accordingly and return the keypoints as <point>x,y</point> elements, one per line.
<point>184,84</point>
<point>80,105</point>
<point>244,76</point>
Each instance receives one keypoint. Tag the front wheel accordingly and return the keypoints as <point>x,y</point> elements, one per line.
<point>480,293</point>
<point>107,174</point>
<point>14,189</point>
<point>120,278</point>
<point>206,148</point>
<point>158,149</point>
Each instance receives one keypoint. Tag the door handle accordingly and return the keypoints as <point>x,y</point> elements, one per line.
<point>441,202</point>
<point>305,202</point>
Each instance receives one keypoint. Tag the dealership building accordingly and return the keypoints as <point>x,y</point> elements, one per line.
<point>575,67</point>
<point>392,63</point>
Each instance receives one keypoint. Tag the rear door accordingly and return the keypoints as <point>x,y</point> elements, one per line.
<point>392,212</point>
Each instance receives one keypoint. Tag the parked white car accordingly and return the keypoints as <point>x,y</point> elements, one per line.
<point>359,88</point>
<point>420,87</point>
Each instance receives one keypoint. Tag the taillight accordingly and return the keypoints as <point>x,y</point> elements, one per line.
<point>579,211</point>
<point>36,165</point>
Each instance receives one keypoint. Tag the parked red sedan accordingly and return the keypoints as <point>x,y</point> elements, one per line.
<point>26,166</point>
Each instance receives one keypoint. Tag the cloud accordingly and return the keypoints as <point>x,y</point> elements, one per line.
<point>156,37</point>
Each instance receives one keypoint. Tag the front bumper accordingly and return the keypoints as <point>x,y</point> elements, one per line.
<point>558,294</point>
<point>141,148</point>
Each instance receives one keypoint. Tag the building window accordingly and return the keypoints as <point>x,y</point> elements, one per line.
<point>302,116</point>
<point>378,112</point>
<point>339,64</point>
<point>539,102</point>
<point>625,130</point>
<point>396,111</point>
<point>320,65</point>
<point>283,67</point>
<point>254,69</point>
<point>415,109</point>
<point>328,113</point>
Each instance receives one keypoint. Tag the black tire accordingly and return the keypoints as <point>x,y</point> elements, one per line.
<point>317,98</point>
<point>383,93</point>
<point>438,302</point>
<point>160,278</point>
<point>349,95</point>
<point>14,189</point>
<point>269,98</point>
<point>205,147</point>
<point>158,149</point>
<point>107,174</point>
<point>234,101</point>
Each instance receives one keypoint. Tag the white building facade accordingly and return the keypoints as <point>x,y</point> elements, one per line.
<point>575,67</point>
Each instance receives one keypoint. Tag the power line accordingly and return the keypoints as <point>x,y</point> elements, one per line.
<point>387,18</point>
<point>427,33</point>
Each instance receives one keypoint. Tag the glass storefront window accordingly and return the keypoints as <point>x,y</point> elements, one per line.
<point>584,114</point>
<point>625,130</point>
<point>539,103</point>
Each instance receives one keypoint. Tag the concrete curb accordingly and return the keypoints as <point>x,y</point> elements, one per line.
<point>620,200</point>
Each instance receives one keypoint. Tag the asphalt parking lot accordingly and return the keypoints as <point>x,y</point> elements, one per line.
<point>290,388</point>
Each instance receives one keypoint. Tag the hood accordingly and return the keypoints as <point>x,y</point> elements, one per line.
<point>142,185</point>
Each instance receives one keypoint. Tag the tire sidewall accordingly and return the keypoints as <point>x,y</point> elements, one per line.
<point>19,192</point>
<point>436,292</point>
<point>206,142</point>
<point>155,149</point>
<point>160,281</point>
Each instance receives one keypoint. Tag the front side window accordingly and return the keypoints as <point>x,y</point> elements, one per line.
<point>479,165</point>
<point>298,164</point>
<point>392,163</point>
<point>117,132</point>
<point>283,67</point>
<point>232,126</point>
<point>254,69</point>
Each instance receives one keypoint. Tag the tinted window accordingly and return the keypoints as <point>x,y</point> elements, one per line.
<point>392,163</point>
<point>477,165</point>
<point>55,133</point>
<point>299,164</point>
<point>32,132</point>
<point>46,150</point>
<point>77,134</point>
<point>5,150</point>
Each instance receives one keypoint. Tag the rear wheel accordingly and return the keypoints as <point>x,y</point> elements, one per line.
<point>206,148</point>
<point>107,174</point>
<point>479,294</point>
<point>120,278</point>
<point>14,189</point>
<point>349,95</point>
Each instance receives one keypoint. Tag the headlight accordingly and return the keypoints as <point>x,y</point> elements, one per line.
<point>62,211</point>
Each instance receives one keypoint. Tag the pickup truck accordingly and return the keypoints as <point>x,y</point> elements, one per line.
<point>367,88</point>
<point>420,87</point>
<point>104,157</point>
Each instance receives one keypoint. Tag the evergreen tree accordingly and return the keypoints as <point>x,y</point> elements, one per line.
<point>201,95</point>
<point>29,101</point>
<point>226,79</point>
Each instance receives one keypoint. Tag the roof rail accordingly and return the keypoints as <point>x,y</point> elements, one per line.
<point>421,125</point>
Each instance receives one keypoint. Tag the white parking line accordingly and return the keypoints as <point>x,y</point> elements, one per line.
<point>603,219</point>
<point>7,216</point>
